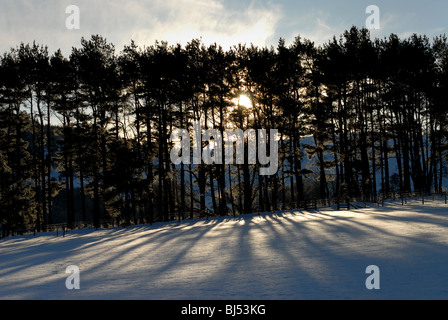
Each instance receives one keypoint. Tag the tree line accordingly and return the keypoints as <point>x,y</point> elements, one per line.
<point>356,116</point>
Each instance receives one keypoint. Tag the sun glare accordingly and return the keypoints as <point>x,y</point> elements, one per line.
<point>244,101</point>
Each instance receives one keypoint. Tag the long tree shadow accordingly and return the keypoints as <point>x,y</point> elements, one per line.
<point>289,255</point>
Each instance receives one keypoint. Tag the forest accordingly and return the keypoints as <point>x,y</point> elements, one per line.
<point>88,136</point>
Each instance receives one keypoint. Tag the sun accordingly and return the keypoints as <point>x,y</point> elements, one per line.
<point>244,101</point>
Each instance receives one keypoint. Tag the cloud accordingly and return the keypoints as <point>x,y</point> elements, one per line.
<point>319,27</point>
<point>213,21</point>
<point>322,25</point>
<point>145,21</point>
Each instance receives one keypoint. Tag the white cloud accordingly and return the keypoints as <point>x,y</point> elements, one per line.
<point>212,21</point>
<point>175,21</point>
<point>319,27</point>
<point>322,25</point>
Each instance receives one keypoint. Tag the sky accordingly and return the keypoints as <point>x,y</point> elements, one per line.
<point>226,22</point>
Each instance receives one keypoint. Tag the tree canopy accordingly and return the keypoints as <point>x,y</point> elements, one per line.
<point>356,117</point>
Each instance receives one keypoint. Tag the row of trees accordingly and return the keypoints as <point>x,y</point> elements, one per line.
<point>356,116</point>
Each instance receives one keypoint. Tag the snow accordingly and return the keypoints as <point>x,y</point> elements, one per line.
<point>271,256</point>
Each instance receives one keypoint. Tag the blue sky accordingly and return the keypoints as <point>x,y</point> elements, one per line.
<point>227,22</point>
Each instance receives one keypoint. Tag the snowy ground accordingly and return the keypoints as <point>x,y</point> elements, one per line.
<point>283,256</point>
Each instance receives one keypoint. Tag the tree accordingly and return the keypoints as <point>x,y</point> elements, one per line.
<point>96,69</point>
<point>17,203</point>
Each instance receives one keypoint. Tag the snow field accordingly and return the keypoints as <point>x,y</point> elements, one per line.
<point>271,256</point>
